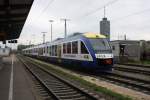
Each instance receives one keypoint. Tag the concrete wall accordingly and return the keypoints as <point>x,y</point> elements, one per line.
<point>126,50</point>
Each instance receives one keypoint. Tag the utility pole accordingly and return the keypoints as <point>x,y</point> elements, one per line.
<point>51,21</point>
<point>44,37</point>
<point>65,20</point>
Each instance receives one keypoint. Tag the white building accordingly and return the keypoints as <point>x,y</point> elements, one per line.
<point>4,52</point>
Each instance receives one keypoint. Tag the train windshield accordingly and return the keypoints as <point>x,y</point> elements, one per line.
<point>100,45</point>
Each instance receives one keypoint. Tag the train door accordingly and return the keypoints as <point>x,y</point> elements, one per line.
<point>59,52</point>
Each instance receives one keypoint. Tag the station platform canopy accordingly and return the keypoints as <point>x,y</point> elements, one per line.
<point>13,14</point>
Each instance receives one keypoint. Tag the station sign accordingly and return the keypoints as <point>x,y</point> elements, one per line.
<point>13,41</point>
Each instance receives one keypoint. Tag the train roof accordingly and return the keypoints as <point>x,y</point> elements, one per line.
<point>73,37</point>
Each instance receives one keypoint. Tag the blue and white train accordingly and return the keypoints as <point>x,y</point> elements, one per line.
<point>85,50</point>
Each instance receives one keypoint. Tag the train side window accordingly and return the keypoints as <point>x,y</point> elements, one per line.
<point>69,47</point>
<point>64,48</point>
<point>43,50</point>
<point>3,50</point>
<point>55,50</point>
<point>50,50</point>
<point>47,50</point>
<point>83,49</point>
<point>75,47</point>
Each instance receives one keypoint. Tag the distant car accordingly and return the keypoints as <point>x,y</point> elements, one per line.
<point>85,50</point>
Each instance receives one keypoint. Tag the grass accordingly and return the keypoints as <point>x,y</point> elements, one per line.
<point>92,86</point>
<point>143,62</point>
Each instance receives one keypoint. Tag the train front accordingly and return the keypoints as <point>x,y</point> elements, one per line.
<point>102,52</point>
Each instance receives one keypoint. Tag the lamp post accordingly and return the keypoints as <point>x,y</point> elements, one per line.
<point>51,21</point>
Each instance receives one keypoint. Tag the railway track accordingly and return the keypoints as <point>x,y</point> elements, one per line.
<point>137,84</point>
<point>135,65</point>
<point>132,70</point>
<point>58,88</point>
<point>126,81</point>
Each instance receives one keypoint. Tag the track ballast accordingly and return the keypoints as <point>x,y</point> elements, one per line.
<point>56,86</point>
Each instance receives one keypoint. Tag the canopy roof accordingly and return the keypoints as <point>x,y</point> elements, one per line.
<point>13,14</point>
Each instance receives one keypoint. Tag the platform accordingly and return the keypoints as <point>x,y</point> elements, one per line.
<point>15,83</point>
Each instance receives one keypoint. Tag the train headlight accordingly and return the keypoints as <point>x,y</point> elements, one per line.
<point>108,61</point>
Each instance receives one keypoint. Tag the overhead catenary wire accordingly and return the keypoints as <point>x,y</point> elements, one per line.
<point>130,15</point>
<point>42,11</point>
<point>96,10</point>
<point>100,8</point>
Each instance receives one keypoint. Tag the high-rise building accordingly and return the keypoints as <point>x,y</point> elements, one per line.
<point>105,27</point>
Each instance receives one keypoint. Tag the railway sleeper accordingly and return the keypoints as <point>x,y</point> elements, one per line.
<point>71,96</point>
<point>58,91</point>
<point>67,93</point>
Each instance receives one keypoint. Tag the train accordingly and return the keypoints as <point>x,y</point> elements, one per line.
<point>90,51</point>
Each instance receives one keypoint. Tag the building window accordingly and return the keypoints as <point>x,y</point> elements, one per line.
<point>75,47</point>
<point>69,47</point>
<point>83,49</point>
<point>113,47</point>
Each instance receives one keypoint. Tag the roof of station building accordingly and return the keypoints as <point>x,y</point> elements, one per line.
<point>13,14</point>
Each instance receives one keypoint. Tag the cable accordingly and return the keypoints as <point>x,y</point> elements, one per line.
<point>38,17</point>
<point>47,6</point>
<point>133,14</point>
<point>94,11</point>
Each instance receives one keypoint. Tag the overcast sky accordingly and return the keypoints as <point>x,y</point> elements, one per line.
<point>130,17</point>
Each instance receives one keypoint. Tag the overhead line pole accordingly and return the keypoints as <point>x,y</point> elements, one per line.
<point>65,20</point>
<point>51,28</point>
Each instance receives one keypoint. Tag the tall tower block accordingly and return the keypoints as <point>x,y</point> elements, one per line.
<point>105,27</point>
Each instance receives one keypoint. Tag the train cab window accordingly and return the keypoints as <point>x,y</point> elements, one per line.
<point>64,48</point>
<point>75,47</point>
<point>83,49</point>
<point>69,47</point>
